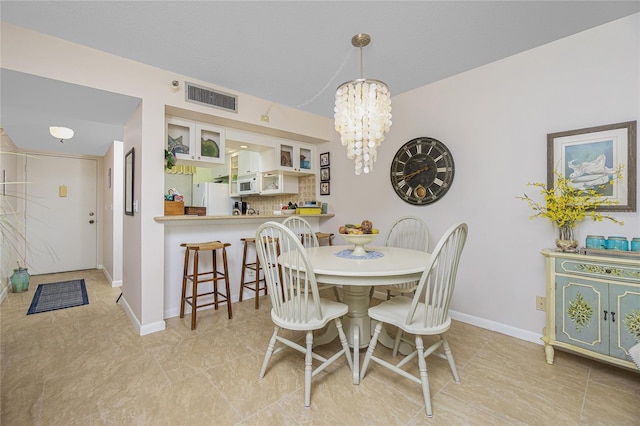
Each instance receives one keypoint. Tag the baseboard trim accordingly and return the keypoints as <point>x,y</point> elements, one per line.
<point>141,329</point>
<point>518,333</point>
<point>4,292</point>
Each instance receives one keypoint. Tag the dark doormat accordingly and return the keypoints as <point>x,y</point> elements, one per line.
<point>54,296</point>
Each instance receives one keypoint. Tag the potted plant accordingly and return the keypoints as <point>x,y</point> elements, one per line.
<point>565,206</point>
<point>169,160</point>
<point>12,220</point>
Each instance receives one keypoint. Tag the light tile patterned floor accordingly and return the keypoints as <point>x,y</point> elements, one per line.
<point>86,366</point>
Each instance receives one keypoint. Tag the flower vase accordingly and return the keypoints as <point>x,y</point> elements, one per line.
<point>19,280</point>
<point>566,242</point>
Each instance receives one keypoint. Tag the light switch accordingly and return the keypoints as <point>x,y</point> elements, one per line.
<point>62,191</point>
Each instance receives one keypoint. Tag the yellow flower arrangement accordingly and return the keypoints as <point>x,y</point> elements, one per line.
<point>565,205</point>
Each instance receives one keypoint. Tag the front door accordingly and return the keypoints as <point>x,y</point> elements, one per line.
<point>61,222</point>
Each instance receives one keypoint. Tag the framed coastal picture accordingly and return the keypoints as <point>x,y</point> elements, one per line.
<point>324,188</point>
<point>324,159</point>
<point>591,157</point>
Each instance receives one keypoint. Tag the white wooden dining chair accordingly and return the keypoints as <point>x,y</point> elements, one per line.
<point>296,304</point>
<point>303,229</point>
<point>406,232</point>
<point>426,314</point>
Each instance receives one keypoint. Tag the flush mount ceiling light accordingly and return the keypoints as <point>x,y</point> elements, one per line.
<point>61,133</point>
<point>362,114</point>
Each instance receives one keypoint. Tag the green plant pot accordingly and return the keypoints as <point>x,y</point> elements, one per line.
<point>19,280</point>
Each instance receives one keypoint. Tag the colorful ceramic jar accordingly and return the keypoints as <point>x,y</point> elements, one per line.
<point>617,243</point>
<point>596,242</point>
<point>19,280</point>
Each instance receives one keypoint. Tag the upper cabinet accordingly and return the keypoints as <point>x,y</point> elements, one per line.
<point>248,162</point>
<point>290,157</point>
<point>222,171</point>
<point>278,183</point>
<point>193,142</point>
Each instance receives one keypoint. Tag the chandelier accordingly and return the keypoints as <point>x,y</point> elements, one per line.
<point>362,114</point>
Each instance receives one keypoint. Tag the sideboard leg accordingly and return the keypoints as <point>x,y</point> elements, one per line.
<point>548,351</point>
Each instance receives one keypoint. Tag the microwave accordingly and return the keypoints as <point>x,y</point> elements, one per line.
<point>248,184</point>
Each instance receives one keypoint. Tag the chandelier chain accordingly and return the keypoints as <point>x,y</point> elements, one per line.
<point>326,86</point>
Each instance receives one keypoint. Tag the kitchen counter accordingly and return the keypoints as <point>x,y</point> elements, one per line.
<point>256,217</point>
<point>230,229</point>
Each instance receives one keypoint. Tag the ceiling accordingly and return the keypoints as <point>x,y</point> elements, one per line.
<point>290,52</point>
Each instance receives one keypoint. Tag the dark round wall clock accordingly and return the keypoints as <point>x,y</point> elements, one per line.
<point>422,171</point>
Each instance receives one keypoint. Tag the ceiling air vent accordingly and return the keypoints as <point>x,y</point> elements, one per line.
<point>209,97</point>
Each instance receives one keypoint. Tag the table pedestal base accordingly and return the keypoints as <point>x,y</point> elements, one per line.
<point>357,326</point>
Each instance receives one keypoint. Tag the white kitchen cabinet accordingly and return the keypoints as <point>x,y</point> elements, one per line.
<point>222,171</point>
<point>248,162</point>
<point>278,183</point>
<point>593,306</point>
<point>290,158</point>
<point>195,143</point>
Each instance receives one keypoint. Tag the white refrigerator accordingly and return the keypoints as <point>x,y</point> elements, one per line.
<point>213,196</point>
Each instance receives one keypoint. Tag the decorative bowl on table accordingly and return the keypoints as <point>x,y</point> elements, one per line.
<point>359,241</point>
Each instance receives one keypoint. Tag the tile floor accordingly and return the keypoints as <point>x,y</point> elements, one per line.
<point>86,366</point>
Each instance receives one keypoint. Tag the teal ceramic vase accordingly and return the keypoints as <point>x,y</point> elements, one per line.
<point>19,280</point>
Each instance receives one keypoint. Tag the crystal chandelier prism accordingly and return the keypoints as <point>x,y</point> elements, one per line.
<point>362,114</point>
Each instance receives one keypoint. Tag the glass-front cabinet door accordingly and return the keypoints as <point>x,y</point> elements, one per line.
<point>195,142</point>
<point>295,157</point>
<point>210,142</point>
<point>180,135</point>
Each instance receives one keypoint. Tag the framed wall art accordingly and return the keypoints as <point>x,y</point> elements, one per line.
<point>324,159</point>
<point>590,157</point>
<point>324,188</point>
<point>325,174</point>
<point>129,161</point>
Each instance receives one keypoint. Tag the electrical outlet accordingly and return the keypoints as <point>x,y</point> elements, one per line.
<point>541,303</point>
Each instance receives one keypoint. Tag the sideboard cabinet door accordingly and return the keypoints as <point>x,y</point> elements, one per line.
<point>580,311</point>
<point>624,302</point>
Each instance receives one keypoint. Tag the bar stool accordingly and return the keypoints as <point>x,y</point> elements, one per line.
<point>195,278</point>
<point>325,236</point>
<point>253,266</point>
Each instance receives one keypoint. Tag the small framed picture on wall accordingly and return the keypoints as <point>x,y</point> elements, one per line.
<point>324,159</point>
<point>325,174</point>
<point>324,188</point>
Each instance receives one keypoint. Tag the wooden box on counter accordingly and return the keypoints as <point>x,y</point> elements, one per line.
<point>173,208</point>
<point>195,211</point>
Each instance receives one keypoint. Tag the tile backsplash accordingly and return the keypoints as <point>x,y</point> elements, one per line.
<point>267,204</point>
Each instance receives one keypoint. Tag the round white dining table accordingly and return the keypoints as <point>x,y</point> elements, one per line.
<point>392,265</point>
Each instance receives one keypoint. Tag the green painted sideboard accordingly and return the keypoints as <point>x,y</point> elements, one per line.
<point>593,306</point>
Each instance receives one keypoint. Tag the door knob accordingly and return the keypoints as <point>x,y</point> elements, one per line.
<point>92,221</point>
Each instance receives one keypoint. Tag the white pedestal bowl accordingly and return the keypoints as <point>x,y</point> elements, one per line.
<point>359,241</point>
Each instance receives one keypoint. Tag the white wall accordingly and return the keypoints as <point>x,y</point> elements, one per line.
<point>495,120</point>
<point>112,213</point>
